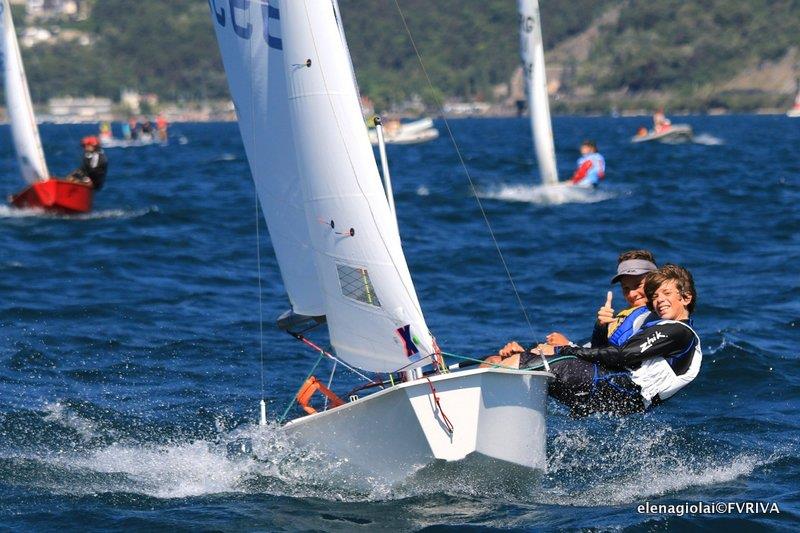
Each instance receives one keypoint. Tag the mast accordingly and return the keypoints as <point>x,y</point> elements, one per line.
<point>24,131</point>
<point>532,53</point>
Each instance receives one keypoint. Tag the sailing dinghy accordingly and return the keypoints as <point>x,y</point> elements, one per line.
<point>44,191</point>
<point>339,252</point>
<point>533,67</point>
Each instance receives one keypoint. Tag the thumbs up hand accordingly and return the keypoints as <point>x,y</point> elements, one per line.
<point>605,315</point>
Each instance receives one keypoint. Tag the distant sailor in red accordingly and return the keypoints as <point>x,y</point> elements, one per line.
<point>94,164</point>
<point>161,127</point>
<point>660,121</point>
<point>591,166</point>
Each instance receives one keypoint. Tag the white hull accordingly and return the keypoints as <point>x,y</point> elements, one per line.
<point>675,133</point>
<point>419,131</point>
<point>793,112</point>
<point>498,416</point>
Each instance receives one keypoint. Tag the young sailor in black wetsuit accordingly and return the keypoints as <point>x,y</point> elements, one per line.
<point>654,364</point>
<point>94,164</point>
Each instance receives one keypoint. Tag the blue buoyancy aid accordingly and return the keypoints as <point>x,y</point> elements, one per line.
<point>630,326</point>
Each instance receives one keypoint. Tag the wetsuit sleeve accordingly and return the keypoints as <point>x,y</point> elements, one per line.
<point>599,335</point>
<point>665,340</point>
<point>581,172</point>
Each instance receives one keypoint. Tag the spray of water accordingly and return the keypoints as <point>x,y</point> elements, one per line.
<point>607,461</point>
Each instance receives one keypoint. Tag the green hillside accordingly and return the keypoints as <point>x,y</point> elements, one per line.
<point>466,46</point>
<point>681,51</point>
<point>692,48</point>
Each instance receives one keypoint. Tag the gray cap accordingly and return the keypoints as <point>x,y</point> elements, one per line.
<point>633,267</point>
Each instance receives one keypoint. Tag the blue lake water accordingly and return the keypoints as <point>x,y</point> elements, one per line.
<point>129,350</point>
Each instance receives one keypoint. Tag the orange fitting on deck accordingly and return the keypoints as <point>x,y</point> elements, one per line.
<point>308,389</point>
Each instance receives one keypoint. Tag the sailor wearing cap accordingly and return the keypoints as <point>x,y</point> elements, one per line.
<point>632,267</point>
<point>611,329</point>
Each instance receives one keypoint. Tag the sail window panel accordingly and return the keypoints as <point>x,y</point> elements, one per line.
<point>355,284</point>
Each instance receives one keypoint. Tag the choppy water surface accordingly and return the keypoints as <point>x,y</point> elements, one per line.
<point>130,345</point>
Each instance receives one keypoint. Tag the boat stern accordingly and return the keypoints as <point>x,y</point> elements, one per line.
<point>498,413</point>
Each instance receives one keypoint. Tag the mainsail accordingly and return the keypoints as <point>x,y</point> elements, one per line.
<point>347,232</point>
<point>532,52</point>
<point>24,131</point>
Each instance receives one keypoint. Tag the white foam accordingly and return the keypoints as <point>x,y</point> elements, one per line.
<point>546,194</point>
<point>198,467</point>
<point>708,140</point>
<point>225,156</point>
<point>59,414</point>
<point>168,471</point>
<point>422,190</point>
<point>7,211</point>
<point>635,461</point>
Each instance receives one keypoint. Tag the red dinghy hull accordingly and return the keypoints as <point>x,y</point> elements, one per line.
<point>56,195</point>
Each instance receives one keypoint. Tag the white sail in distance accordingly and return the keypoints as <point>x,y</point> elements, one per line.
<point>533,67</point>
<point>24,132</point>
<point>374,318</point>
<point>250,43</point>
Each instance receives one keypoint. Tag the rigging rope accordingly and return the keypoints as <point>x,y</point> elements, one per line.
<point>328,354</point>
<point>537,366</point>
<point>449,425</point>
<point>466,170</point>
<point>294,397</point>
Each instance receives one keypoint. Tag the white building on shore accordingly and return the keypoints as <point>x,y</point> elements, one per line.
<point>88,109</point>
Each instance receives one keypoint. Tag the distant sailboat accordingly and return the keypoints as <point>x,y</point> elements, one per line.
<point>44,192</point>
<point>794,112</point>
<point>340,257</point>
<point>533,66</point>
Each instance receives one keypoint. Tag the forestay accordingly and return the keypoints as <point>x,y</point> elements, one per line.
<point>532,52</point>
<point>24,131</point>
<point>250,43</point>
<point>374,317</point>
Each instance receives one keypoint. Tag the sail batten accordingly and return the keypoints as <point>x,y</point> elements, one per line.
<point>533,67</point>
<point>24,131</point>
<point>346,231</point>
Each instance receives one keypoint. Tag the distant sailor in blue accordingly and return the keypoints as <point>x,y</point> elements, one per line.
<point>591,167</point>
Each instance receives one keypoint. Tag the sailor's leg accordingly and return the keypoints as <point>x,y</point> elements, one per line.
<point>615,392</point>
<point>573,384</point>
